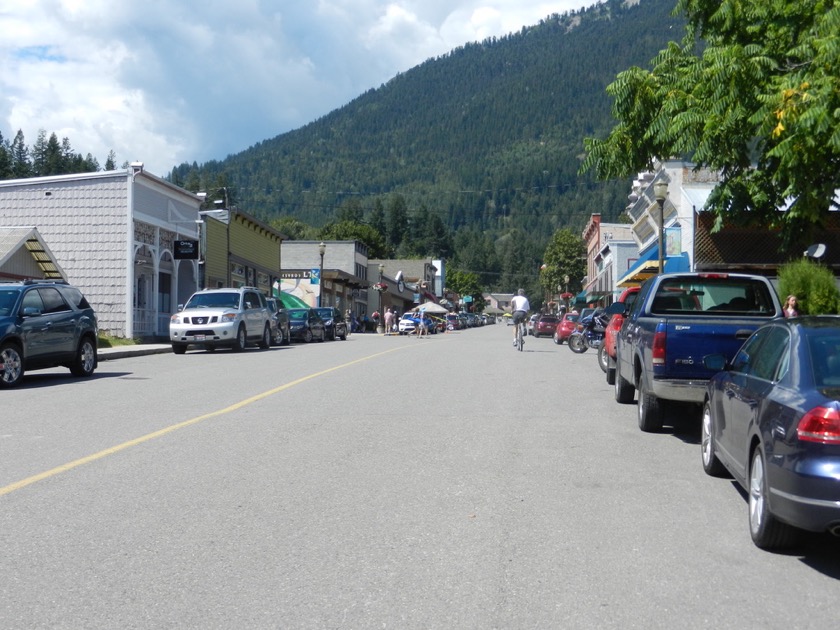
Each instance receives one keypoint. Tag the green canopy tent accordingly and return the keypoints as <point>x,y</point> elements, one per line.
<point>287,300</point>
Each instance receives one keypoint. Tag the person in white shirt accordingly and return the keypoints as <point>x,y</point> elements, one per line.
<point>520,306</point>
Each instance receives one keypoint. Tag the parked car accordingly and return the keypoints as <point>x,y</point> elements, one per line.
<point>408,323</point>
<point>334,322</point>
<point>216,318</point>
<point>306,325</point>
<point>280,335</point>
<point>45,324</point>
<point>566,326</point>
<point>546,325</point>
<point>771,418</point>
<point>529,325</point>
<point>453,322</point>
<point>627,297</point>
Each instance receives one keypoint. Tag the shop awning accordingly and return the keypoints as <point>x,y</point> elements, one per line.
<point>646,266</point>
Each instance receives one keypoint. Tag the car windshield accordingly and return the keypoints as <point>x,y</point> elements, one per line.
<point>572,317</point>
<point>325,313</point>
<point>298,314</point>
<point>214,300</point>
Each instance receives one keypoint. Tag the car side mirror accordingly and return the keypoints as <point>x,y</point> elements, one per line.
<point>715,362</point>
<point>31,311</point>
<point>616,308</point>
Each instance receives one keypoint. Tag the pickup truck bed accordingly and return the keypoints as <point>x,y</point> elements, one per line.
<point>676,320</point>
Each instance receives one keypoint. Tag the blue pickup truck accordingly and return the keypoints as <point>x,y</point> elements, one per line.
<point>676,320</point>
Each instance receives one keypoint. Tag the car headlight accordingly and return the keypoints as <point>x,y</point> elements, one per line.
<point>228,317</point>
<point>329,322</point>
<point>175,319</point>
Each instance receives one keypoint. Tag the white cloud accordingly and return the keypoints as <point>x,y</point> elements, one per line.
<point>166,82</point>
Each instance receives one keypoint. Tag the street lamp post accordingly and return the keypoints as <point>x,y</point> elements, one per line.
<point>322,247</point>
<point>660,192</point>
<point>380,327</point>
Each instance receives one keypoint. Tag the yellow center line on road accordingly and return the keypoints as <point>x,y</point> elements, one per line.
<point>181,425</point>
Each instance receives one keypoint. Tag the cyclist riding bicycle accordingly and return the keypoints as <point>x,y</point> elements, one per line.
<point>520,307</point>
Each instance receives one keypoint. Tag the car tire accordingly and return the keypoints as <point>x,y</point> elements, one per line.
<point>307,336</point>
<point>558,340</point>
<point>624,389</point>
<point>85,361</point>
<point>603,357</point>
<point>344,336</point>
<point>649,408</point>
<point>708,454</point>
<point>179,348</point>
<point>265,342</point>
<point>332,335</point>
<point>766,530</point>
<point>241,339</point>
<point>12,371</point>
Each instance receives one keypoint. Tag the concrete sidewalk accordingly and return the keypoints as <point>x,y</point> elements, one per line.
<point>121,352</point>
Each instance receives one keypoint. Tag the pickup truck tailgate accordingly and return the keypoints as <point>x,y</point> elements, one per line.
<point>688,340</point>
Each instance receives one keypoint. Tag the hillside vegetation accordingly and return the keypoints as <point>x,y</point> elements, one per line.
<point>484,143</point>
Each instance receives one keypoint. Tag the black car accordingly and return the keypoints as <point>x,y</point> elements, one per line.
<point>334,322</point>
<point>306,325</point>
<point>772,419</point>
<point>45,324</point>
<point>280,333</point>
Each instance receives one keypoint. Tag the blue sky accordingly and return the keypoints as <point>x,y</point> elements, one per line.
<point>169,81</point>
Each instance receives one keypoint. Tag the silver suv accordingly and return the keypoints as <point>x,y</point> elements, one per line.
<point>222,318</point>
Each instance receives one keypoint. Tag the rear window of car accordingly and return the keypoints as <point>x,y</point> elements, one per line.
<point>551,319</point>
<point>824,348</point>
<point>714,296</point>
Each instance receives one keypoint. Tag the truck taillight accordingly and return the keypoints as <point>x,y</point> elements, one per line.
<point>658,354</point>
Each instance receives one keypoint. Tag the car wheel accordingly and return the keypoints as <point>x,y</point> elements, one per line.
<point>241,339</point>
<point>623,388</point>
<point>602,358</point>
<point>12,371</point>
<point>85,362</point>
<point>558,340</point>
<point>649,408</point>
<point>711,464</point>
<point>265,342</point>
<point>766,530</point>
<point>307,336</point>
<point>344,336</point>
<point>332,335</point>
<point>179,348</point>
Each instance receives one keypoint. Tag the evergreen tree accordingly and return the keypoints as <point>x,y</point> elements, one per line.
<point>20,157</point>
<point>5,158</point>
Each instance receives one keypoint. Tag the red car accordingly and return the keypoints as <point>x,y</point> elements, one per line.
<point>545,325</point>
<point>628,297</point>
<point>566,326</point>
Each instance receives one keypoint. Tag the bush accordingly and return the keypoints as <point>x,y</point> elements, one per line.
<point>814,286</point>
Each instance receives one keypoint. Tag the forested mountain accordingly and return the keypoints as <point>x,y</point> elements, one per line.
<point>485,141</point>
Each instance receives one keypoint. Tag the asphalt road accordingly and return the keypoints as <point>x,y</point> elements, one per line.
<point>450,482</point>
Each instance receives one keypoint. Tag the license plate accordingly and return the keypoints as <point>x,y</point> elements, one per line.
<point>199,337</point>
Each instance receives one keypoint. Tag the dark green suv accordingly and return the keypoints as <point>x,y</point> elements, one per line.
<point>45,324</point>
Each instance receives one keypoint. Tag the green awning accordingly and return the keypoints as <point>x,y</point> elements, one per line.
<point>290,301</point>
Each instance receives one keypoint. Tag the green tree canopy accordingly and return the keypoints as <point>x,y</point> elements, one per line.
<point>759,103</point>
<point>564,256</point>
<point>351,231</point>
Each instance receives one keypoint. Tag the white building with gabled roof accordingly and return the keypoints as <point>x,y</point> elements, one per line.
<point>115,235</point>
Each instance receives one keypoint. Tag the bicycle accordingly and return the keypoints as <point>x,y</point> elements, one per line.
<point>520,339</point>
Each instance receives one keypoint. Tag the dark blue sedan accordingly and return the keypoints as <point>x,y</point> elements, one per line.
<point>305,325</point>
<point>772,419</point>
